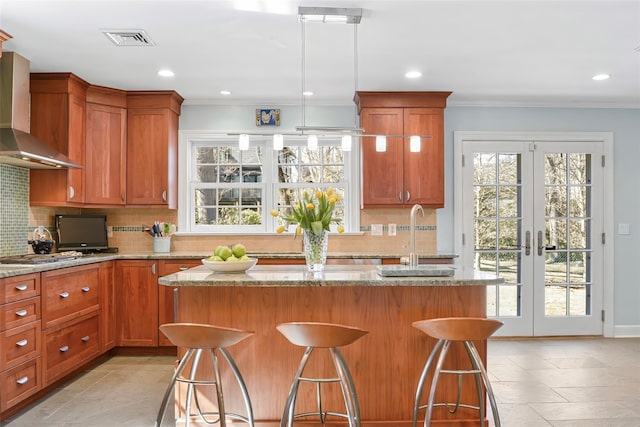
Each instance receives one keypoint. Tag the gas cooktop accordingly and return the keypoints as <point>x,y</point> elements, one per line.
<point>40,258</point>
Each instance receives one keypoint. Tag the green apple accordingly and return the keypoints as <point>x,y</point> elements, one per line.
<point>225,252</point>
<point>239,250</point>
<point>215,258</point>
<point>232,258</point>
<point>244,258</point>
<point>218,249</point>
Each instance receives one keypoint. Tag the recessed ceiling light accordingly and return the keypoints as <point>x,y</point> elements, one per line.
<point>166,73</point>
<point>601,77</point>
<point>225,92</point>
<point>307,93</point>
<point>413,74</point>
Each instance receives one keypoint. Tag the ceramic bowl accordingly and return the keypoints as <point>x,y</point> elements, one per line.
<point>230,266</point>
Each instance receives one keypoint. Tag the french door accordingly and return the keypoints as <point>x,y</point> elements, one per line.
<point>532,212</point>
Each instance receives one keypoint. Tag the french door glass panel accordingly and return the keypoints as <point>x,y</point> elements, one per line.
<point>533,223</point>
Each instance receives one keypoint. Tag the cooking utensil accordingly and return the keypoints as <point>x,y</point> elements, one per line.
<point>42,242</point>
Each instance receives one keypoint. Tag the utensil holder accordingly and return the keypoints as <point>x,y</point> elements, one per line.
<point>162,244</point>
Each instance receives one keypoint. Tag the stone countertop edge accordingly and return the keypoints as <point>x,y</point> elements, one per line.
<point>333,275</point>
<point>10,270</point>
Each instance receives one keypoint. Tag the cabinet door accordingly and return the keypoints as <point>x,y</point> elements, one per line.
<point>136,299</point>
<point>166,293</point>
<point>424,170</point>
<point>105,158</point>
<point>59,120</point>
<point>107,307</point>
<point>382,176</point>
<point>148,157</point>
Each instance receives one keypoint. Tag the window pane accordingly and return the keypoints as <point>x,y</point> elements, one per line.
<point>485,201</point>
<point>485,231</point>
<point>508,201</point>
<point>509,169</point>
<point>555,168</point>
<point>484,168</point>
<point>206,173</point>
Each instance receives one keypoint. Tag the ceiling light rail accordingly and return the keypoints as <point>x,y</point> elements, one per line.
<point>327,15</point>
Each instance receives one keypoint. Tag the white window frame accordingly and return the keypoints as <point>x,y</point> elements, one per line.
<point>351,222</point>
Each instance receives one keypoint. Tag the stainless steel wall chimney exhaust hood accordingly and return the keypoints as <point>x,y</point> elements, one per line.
<point>17,146</point>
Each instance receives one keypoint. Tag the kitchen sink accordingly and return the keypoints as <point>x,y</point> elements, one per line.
<point>417,271</point>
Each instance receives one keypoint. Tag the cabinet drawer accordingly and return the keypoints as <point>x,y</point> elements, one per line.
<point>67,295</point>
<point>19,383</point>
<point>69,344</point>
<point>19,287</point>
<point>19,313</point>
<point>19,344</point>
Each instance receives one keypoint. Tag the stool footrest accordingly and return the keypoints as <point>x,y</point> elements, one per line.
<point>319,380</point>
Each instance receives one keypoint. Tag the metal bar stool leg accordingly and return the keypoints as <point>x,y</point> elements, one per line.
<point>475,358</point>
<point>216,370</point>
<point>479,381</point>
<point>287,416</point>
<point>434,382</point>
<point>190,386</point>
<point>171,387</point>
<point>348,389</point>
<point>423,377</point>
<point>243,387</point>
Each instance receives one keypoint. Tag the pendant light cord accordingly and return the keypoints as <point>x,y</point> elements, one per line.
<point>304,66</point>
<point>355,70</point>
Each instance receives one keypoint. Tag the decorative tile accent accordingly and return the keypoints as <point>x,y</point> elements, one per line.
<point>14,210</point>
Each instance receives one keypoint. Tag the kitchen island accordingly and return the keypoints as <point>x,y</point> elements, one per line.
<point>386,363</point>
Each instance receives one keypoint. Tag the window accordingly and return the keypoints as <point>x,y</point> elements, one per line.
<point>226,190</point>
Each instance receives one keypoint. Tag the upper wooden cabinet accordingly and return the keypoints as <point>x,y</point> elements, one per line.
<point>106,149</point>
<point>397,176</point>
<point>58,109</point>
<point>152,148</point>
<point>3,38</point>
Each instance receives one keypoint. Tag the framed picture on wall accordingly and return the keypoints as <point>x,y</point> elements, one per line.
<point>268,117</point>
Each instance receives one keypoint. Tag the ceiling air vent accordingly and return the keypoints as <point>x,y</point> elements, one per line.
<point>129,37</point>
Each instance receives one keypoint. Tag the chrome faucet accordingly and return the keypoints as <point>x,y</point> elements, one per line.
<point>413,255</point>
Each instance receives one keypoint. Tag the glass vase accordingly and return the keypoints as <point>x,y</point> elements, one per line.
<point>315,250</point>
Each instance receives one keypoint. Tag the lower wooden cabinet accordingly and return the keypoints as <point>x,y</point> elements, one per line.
<point>166,293</point>
<point>107,307</point>
<point>136,301</point>
<point>20,382</point>
<point>69,344</point>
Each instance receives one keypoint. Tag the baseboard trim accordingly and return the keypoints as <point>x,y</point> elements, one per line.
<point>626,331</point>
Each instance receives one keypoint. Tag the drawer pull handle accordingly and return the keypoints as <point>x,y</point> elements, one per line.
<point>63,349</point>
<point>21,287</point>
<point>23,380</point>
<point>85,339</point>
<point>22,343</point>
<point>64,295</point>
<point>21,313</point>
<point>183,268</point>
<point>86,289</point>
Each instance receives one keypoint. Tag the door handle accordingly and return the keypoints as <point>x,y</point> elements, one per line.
<point>540,245</point>
<point>527,243</point>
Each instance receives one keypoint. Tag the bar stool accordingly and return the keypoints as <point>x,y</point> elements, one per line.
<point>196,338</point>
<point>314,335</point>
<point>450,329</point>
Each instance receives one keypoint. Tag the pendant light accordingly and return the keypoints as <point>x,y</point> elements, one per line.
<point>312,142</point>
<point>278,142</point>
<point>346,142</point>
<point>414,143</point>
<point>243,142</point>
<point>381,143</point>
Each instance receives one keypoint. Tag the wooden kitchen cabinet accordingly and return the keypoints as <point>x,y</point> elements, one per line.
<point>20,342</point>
<point>152,148</point>
<point>106,149</point>
<point>107,307</point>
<point>166,293</point>
<point>397,176</point>
<point>136,302</point>
<point>58,109</point>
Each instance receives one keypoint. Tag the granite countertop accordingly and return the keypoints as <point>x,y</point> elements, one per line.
<point>10,270</point>
<point>334,275</point>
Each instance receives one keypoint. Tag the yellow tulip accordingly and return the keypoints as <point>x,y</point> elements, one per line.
<point>280,229</point>
<point>309,206</point>
<point>340,229</point>
<point>274,212</point>
<point>318,194</point>
<point>333,200</point>
<point>329,191</point>
<point>299,231</point>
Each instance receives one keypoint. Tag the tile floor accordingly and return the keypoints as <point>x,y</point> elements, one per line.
<point>584,382</point>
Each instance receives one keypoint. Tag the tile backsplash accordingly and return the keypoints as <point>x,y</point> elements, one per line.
<point>14,210</point>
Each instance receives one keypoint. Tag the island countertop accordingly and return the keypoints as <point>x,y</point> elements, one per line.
<point>333,275</point>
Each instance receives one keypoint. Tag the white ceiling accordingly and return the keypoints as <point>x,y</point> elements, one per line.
<point>486,52</point>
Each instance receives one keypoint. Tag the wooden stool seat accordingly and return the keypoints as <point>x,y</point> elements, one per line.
<point>459,328</point>
<point>195,335</point>
<point>466,330</point>
<point>197,338</point>
<point>325,335</point>
<point>329,336</point>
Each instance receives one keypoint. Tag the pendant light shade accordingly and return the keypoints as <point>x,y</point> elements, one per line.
<point>312,142</point>
<point>414,143</point>
<point>381,143</point>
<point>346,142</point>
<point>243,142</point>
<point>278,142</point>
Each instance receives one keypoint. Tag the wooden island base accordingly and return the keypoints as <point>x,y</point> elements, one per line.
<point>385,364</point>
